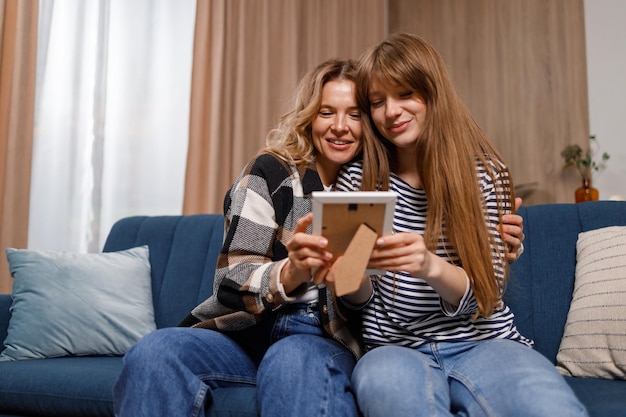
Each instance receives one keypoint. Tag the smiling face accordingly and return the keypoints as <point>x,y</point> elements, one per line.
<point>399,114</point>
<point>336,130</point>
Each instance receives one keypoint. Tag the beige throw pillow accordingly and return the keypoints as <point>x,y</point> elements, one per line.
<point>594,342</point>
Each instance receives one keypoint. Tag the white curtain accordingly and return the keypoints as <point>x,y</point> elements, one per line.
<point>111,117</point>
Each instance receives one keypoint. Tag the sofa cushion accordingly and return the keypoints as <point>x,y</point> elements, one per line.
<point>601,397</point>
<point>595,332</point>
<point>82,386</point>
<point>77,304</point>
<point>70,386</point>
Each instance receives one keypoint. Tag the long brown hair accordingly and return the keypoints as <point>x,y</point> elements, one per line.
<point>448,150</point>
<point>292,140</point>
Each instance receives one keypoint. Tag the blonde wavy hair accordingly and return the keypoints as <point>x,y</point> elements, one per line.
<point>291,140</point>
<point>448,149</point>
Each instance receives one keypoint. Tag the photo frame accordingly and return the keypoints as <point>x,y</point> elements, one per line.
<point>337,215</point>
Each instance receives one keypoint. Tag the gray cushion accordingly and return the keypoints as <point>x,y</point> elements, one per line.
<point>67,304</point>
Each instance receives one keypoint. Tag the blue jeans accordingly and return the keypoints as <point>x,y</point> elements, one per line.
<point>303,372</point>
<point>493,378</point>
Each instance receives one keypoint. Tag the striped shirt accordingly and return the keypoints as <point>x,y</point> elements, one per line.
<point>405,310</point>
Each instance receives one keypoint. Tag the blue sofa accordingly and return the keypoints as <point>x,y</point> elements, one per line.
<point>183,252</point>
<point>542,281</point>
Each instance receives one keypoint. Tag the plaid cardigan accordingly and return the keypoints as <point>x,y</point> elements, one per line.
<point>261,211</point>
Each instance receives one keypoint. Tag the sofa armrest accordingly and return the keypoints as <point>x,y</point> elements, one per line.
<point>5,315</point>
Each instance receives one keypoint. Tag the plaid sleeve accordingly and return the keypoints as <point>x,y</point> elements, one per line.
<point>247,277</point>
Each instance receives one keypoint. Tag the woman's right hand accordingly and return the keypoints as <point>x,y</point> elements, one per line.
<point>306,252</point>
<point>402,252</point>
<point>408,252</point>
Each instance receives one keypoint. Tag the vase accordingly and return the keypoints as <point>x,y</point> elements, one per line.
<point>586,192</point>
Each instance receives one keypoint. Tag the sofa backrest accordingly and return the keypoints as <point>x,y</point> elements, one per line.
<point>184,251</point>
<point>541,282</point>
<point>183,256</point>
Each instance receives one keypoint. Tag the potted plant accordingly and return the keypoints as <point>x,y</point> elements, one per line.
<point>585,164</point>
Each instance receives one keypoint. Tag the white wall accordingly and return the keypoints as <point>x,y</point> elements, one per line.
<point>606,71</point>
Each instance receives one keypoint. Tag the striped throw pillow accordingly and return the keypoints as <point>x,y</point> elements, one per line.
<point>594,341</point>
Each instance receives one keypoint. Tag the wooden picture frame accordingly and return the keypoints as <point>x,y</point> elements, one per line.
<point>337,216</point>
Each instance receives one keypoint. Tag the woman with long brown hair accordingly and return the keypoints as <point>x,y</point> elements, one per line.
<point>440,340</point>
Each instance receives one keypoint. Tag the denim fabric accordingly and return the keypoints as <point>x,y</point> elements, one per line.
<point>306,373</point>
<point>492,378</point>
<point>172,372</point>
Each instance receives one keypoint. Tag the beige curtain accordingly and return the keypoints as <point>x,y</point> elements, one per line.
<point>248,57</point>
<point>18,44</point>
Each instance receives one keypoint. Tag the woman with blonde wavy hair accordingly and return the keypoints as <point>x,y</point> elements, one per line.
<point>267,324</point>
<point>440,340</point>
